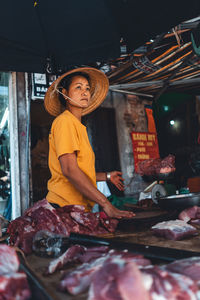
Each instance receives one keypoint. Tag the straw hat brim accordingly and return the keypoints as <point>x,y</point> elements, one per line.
<point>99,86</point>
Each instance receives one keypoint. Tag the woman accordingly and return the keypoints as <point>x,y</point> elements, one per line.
<point>71,159</point>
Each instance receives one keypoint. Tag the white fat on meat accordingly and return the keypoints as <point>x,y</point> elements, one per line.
<point>173,225</point>
<point>4,280</point>
<point>174,229</point>
<point>9,261</point>
<point>66,257</point>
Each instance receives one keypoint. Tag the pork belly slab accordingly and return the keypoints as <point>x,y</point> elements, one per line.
<point>174,230</point>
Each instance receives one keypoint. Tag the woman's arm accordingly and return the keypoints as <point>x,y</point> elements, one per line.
<point>82,183</point>
<point>101,176</point>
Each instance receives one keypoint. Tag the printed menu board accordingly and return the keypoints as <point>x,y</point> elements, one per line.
<point>145,146</point>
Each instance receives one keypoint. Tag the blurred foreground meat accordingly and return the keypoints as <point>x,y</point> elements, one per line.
<point>174,230</point>
<point>9,262</point>
<point>120,275</point>
<point>118,279</point>
<point>13,284</point>
<point>163,284</point>
<point>79,280</point>
<point>63,220</point>
<point>70,255</point>
<point>189,267</point>
<point>76,253</point>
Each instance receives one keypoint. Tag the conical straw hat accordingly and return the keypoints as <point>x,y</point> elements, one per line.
<point>99,85</point>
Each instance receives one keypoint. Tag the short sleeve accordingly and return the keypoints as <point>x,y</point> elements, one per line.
<point>65,136</point>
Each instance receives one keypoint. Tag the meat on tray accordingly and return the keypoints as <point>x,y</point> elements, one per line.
<point>187,266</point>
<point>121,275</point>
<point>163,284</point>
<point>70,255</point>
<point>118,279</point>
<point>191,214</point>
<point>174,230</point>
<point>78,281</point>
<point>13,284</point>
<point>63,220</point>
<point>155,166</point>
<point>82,254</point>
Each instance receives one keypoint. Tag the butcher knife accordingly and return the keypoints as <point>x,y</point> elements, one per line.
<point>56,245</point>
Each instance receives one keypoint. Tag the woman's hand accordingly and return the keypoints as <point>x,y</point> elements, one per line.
<point>113,212</point>
<point>117,180</point>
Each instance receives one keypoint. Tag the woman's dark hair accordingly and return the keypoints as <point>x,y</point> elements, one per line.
<point>66,81</point>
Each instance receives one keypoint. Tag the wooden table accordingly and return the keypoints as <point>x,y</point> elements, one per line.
<point>38,264</point>
<point>139,233</point>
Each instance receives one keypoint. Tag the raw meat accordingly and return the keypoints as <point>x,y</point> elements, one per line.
<point>188,266</point>
<point>109,224</point>
<point>70,255</point>
<point>63,220</point>
<point>77,253</point>
<point>103,285</point>
<point>149,166</point>
<point>191,214</point>
<point>70,224</point>
<point>87,219</point>
<point>14,286</point>
<point>42,216</point>
<point>79,280</point>
<point>174,230</point>
<point>130,283</point>
<point>117,279</point>
<point>167,165</point>
<point>163,284</point>
<point>9,262</point>
<point>93,253</point>
<point>157,166</point>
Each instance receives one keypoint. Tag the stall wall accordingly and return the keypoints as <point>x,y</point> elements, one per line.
<point>130,115</point>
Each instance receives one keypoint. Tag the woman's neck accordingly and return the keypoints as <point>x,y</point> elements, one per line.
<point>77,112</point>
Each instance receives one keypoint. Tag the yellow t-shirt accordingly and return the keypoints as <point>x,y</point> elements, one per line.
<point>67,135</point>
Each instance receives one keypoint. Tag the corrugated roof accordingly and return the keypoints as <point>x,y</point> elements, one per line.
<point>167,63</point>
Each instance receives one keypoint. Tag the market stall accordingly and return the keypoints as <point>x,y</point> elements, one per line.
<point>55,259</point>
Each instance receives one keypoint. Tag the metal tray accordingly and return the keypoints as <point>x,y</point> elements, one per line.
<point>180,201</point>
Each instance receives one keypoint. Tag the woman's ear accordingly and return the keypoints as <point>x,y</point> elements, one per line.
<point>64,91</point>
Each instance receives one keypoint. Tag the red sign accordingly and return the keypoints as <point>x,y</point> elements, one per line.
<point>145,146</point>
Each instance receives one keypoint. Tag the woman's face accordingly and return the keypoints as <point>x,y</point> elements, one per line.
<point>79,90</point>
